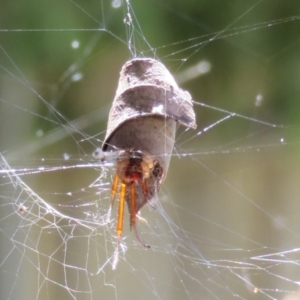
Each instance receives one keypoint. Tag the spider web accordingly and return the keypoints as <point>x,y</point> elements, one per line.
<point>226,222</point>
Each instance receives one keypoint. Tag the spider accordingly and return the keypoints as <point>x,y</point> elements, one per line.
<point>140,177</point>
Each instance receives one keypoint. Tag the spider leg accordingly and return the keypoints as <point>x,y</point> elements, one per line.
<point>121,211</point>
<point>114,189</point>
<point>112,196</point>
<point>132,204</point>
<point>141,219</point>
<point>133,214</point>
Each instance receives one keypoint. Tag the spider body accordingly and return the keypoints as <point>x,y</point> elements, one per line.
<point>140,178</point>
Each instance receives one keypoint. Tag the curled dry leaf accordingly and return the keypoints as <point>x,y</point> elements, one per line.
<point>142,124</point>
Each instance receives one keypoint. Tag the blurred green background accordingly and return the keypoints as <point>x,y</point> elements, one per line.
<point>232,192</point>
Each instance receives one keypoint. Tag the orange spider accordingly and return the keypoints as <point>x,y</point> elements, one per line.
<point>140,177</point>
